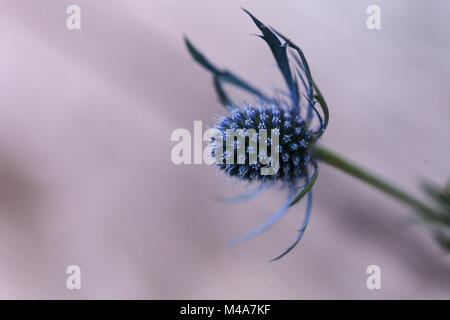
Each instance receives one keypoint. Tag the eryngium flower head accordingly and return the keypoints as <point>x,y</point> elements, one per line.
<point>293,141</point>
<point>290,116</point>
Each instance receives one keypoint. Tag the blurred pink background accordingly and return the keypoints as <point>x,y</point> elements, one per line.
<point>85,170</point>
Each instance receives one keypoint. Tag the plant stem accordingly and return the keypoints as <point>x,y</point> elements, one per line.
<point>324,154</point>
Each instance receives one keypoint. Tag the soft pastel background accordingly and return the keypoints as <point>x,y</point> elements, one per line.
<point>85,170</point>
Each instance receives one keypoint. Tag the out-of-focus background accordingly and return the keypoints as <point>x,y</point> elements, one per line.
<point>86,176</point>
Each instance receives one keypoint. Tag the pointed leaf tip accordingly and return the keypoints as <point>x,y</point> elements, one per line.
<point>258,23</point>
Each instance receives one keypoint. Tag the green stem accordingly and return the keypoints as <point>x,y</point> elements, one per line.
<point>324,154</point>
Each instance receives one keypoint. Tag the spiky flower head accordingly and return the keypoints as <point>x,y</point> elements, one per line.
<point>286,127</point>
<point>293,139</point>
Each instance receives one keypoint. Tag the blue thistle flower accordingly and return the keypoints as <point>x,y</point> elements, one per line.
<point>293,121</point>
<point>293,145</point>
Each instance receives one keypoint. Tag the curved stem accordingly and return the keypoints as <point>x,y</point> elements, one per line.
<point>324,154</point>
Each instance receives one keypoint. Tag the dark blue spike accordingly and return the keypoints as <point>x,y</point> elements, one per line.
<point>279,52</point>
<point>318,94</point>
<point>223,76</point>
<point>300,53</point>
<point>302,229</point>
